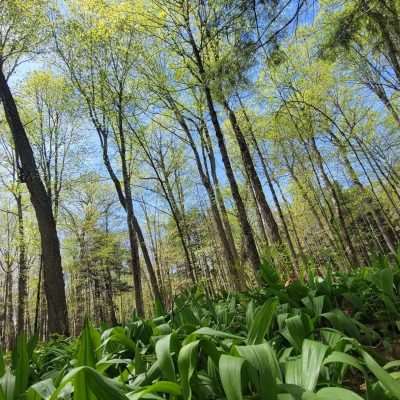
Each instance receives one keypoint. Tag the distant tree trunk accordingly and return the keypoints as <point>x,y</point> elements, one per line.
<point>266,213</point>
<point>218,193</point>
<point>38,293</point>
<point>338,206</point>
<point>22,268</point>
<point>9,320</point>
<point>250,243</point>
<point>110,297</point>
<point>376,218</point>
<point>230,256</point>
<point>272,189</point>
<point>53,275</point>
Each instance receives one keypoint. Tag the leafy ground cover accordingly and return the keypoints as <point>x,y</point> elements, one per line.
<point>332,338</point>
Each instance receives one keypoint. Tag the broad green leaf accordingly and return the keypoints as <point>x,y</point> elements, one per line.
<point>21,365</point>
<point>230,371</point>
<point>171,388</point>
<point>7,385</point>
<point>295,331</point>
<point>187,360</point>
<point>214,333</point>
<point>101,387</point>
<point>118,335</point>
<point>336,393</point>
<point>262,321</point>
<point>392,364</point>
<point>315,304</point>
<point>293,371</point>
<point>312,356</point>
<point>340,321</point>
<point>343,358</point>
<point>390,384</point>
<point>264,368</point>
<point>103,365</point>
<point>42,390</point>
<point>165,362</point>
<point>89,341</point>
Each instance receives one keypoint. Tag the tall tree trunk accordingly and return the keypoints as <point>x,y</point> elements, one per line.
<point>338,206</point>
<point>22,267</point>
<point>10,329</point>
<point>53,274</point>
<point>250,243</point>
<point>231,259</point>
<point>266,213</point>
<point>110,296</point>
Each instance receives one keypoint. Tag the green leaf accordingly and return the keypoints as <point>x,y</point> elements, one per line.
<point>187,360</point>
<point>262,321</point>
<point>42,390</point>
<point>296,331</point>
<point>214,333</point>
<point>390,384</point>
<point>171,388</point>
<point>336,393</point>
<point>264,368</point>
<point>164,358</point>
<point>101,387</point>
<point>7,385</point>
<point>343,358</point>
<point>293,371</point>
<point>21,366</point>
<point>392,364</point>
<point>89,341</point>
<point>140,365</point>
<point>312,356</point>
<point>2,364</point>
<point>340,321</point>
<point>230,371</point>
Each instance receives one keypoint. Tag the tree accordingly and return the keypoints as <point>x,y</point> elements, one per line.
<point>21,22</point>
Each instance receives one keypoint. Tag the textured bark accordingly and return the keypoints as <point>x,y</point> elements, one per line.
<point>53,275</point>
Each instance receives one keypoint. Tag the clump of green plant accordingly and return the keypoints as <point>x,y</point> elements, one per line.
<point>306,341</point>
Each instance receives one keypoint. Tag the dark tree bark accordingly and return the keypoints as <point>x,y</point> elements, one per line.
<point>22,267</point>
<point>53,274</point>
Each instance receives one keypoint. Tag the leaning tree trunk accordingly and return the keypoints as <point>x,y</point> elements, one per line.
<point>53,275</point>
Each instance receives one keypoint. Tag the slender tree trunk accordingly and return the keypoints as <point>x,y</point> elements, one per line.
<point>272,190</point>
<point>110,296</point>
<point>250,243</point>
<point>38,292</point>
<point>231,259</point>
<point>266,213</point>
<point>53,274</point>
<point>338,206</point>
<point>10,339</point>
<point>22,268</point>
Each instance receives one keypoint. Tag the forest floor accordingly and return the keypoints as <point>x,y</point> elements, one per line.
<point>331,338</point>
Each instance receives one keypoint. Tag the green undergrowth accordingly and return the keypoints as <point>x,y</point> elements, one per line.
<point>332,338</point>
